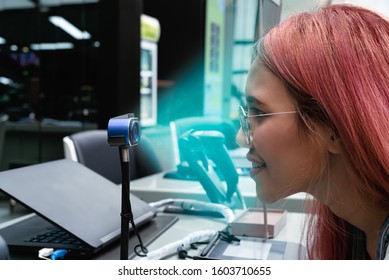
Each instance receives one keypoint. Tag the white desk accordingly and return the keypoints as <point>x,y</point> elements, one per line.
<point>188,224</point>
<point>156,187</point>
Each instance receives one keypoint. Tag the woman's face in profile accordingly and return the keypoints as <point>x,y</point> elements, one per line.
<point>281,159</point>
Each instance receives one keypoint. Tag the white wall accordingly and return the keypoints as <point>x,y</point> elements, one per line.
<point>380,6</point>
<point>292,6</point>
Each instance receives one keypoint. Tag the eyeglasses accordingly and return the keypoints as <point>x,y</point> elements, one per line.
<point>245,124</point>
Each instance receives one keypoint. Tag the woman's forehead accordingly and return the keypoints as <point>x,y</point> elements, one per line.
<point>264,87</point>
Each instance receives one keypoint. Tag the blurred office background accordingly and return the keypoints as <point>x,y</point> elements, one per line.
<point>161,59</point>
<point>54,83</point>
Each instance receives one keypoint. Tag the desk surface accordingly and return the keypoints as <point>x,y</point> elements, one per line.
<point>188,224</point>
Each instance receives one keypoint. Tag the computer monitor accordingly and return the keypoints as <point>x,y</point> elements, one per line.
<point>269,15</point>
<point>148,84</point>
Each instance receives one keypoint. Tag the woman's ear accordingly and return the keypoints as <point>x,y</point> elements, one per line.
<point>334,144</point>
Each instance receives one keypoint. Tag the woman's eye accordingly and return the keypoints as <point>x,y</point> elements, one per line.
<point>255,111</point>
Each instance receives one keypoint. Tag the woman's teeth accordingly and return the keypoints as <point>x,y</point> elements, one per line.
<point>258,165</point>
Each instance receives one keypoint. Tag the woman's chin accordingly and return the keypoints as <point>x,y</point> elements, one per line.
<point>267,199</point>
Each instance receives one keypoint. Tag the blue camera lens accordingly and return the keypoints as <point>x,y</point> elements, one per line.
<point>134,132</point>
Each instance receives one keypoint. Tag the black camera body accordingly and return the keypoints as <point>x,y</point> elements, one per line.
<point>124,130</point>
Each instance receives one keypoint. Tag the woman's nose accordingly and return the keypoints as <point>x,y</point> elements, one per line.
<point>241,139</point>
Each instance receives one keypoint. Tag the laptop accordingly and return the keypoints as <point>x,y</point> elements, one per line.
<point>76,208</point>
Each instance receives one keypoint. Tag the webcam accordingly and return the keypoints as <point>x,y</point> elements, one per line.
<point>124,130</point>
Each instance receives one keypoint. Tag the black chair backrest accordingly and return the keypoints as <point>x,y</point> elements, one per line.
<point>4,254</point>
<point>93,151</point>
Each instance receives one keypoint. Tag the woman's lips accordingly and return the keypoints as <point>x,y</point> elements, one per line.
<point>256,166</point>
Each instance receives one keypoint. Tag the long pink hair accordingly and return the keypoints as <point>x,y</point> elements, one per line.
<point>335,61</point>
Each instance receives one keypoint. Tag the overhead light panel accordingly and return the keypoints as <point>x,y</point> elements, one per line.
<point>16,5</point>
<point>5,81</point>
<point>9,82</point>
<point>2,41</point>
<point>52,46</point>
<point>69,28</point>
<point>52,3</point>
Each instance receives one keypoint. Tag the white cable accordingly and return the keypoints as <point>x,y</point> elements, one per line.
<point>160,203</point>
<point>45,253</point>
<point>191,204</point>
<point>183,243</point>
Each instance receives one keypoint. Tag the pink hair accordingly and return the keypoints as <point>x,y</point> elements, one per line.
<point>336,63</point>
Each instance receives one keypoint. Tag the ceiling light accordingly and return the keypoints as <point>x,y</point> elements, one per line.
<point>5,81</point>
<point>51,46</point>
<point>69,28</point>
<point>9,82</point>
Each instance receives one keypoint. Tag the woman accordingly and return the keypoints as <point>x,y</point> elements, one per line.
<point>317,121</point>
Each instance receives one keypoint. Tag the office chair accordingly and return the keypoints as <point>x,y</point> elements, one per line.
<point>91,149</point>
<point>3,127</point>
<point>181,126</point>
<point>4,254</point>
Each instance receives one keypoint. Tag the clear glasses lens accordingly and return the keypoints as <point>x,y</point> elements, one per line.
<point>244,123</point>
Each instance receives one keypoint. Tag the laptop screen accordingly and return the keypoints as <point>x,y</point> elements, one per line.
<point>74,198</point>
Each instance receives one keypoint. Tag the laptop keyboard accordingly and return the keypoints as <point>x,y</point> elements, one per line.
<point>55,236</point>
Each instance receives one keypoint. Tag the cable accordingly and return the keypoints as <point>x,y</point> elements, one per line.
<point>183,244</point>
<point>227,213</point>
<point>51,254</point>
<point>139,249</point>
<point>58,254</point>
<point>161,203</point>
<point>127,214</point>
<point>194,237</point>
<point>45,253</point>
<point>183,254</point>
<point>191,204</point>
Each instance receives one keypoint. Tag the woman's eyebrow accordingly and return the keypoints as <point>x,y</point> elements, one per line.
<point>252,100</point>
